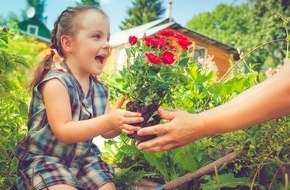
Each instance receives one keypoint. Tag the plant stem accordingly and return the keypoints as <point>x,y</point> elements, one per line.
<point>217,178</point>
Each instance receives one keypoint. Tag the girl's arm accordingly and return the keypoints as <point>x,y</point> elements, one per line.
<point>59,116</point>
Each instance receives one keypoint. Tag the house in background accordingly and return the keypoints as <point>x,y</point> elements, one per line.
<point>32,27</point>
<point>35,27</point>
<point>204,46</point>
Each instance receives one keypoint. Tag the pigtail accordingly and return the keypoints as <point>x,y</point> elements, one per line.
<point>45,65</point>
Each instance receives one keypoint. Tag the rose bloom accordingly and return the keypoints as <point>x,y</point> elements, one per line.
<point>153,58</point>
<point>180,36</point>
<point>184,43</point>
<point>154,42</point>
<point>133,40</point>
<point>166,33</point>
<point>167,57</point>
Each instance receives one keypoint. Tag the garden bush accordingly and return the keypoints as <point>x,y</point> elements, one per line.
<point>263,160</point>
<point>18,54</point>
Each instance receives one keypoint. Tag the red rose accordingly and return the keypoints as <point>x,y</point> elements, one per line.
<point>172,47</point>
<point>133,40</point>
<point>180,36</point>
<point>148,41</point>
<point>154,42</point>
<point>167,57</point>
<point>184,43</point>
<point>166,33</point>
<point>153,58</point>
<point>161,43</point>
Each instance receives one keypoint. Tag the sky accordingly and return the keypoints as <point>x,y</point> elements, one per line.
<point>182,10</point>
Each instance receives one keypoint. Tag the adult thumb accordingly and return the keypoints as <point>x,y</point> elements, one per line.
<point>120,103</point>
<point>166,114</point>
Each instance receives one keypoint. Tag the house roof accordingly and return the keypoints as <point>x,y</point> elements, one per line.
<point>153,27</point>
<point>121,37</point>
<point>44,33</point>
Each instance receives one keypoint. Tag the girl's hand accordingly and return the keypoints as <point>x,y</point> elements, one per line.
<point>120,119</point>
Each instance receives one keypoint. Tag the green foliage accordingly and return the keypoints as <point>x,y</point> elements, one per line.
<point>11,108</point>
<point>200,88</point>
<point>151,10</point>
<point>263,149</point>
<point>224,180</point>
<point>11,17</point>
<point>122,153</point>
<point>159,167</point>
<point>17,55</point>
<point>95,3</point>
<point>246,26</point>
<point>264,152</point>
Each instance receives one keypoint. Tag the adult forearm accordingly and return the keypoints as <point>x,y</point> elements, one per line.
<point>265,101</point>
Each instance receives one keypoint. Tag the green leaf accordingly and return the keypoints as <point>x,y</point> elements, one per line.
<point>183,79</point>
<point>3,152</point>
<point>225,180</point>
<point>130,150</point>
<point>128,175</point>
<point>3,40</point>
<point>160,164</point>
<point>193,71</point>
<point>183,62</point>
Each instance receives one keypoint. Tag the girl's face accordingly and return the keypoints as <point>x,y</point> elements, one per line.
<point>90,46</point>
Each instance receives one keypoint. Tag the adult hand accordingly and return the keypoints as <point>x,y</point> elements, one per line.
<point>181,129</point>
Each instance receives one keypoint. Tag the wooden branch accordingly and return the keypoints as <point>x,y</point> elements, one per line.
<point>202,171</point>
<point>144,184</point>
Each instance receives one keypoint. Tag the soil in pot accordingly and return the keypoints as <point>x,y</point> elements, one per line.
<point>150,118</point>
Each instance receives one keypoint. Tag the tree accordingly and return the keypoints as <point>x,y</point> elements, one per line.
<point>39,6</point>
<point>267,20</point>
<point>10,18</point>
<point>95,3</point>
<point>247,26</point>
<point>150,11</point>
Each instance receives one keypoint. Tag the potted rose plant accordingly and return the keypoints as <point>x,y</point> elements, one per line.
<point>154,68</point>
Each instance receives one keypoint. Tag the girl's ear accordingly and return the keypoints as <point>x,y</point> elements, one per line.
<point>66,43</point>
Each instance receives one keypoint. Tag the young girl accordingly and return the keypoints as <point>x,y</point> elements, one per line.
<point>70,107</point>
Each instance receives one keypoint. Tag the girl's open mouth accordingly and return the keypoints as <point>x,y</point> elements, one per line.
<point>101,58</point>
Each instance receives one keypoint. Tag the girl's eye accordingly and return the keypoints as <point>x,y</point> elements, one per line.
<point>98,36</point>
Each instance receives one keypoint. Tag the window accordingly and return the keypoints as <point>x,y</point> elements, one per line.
<point>32,29</point>
<point>199,52</point>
